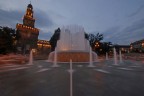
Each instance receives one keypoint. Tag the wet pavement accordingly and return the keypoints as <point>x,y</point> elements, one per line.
<point>40,79</point>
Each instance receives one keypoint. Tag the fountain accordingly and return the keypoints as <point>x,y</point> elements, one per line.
<point>31,57</point>
<point>106,56</point>
<point>55,59</point>
<point>72,45</point>
<point>120,56</point>
<point>71,78</point>
<point>96,57</point>
<point>115,57</point>
<point>90,59</point>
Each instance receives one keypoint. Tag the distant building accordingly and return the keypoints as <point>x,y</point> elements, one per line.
<point>123,48</point>
<point>28,34</point>
<point>137,46</point>
<point>44,47</point>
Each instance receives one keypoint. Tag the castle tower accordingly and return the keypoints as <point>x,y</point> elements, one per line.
<point>28,19</point>
<point>27,33</point>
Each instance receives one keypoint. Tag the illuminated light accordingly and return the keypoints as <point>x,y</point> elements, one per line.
<point>39,44</point>
<point>122,49</point>
<point>33,50</point>
<point>131,47</point>
<point>97,43</point>
<point>142,44</point>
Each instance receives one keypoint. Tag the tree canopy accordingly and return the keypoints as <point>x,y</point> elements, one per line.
<point>54,38</point>
<point>7,39</point>
<point>93,38</point>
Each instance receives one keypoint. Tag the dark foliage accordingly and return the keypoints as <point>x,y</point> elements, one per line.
<point>103,48</point>
<point>7,40</point>
<point>93,39</point>
<point>54,38</point>
<point>86,36</point>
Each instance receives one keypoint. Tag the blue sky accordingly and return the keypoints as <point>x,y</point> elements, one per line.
<point>121,21</point>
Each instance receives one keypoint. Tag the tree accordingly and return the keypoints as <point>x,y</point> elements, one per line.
<point>93,39</point>
<point>7,39</point>
<point>105,47</point>
<point>86,36</point>
<point>54,38</point>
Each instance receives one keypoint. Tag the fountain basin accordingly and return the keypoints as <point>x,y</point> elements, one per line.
<point>75,56</point>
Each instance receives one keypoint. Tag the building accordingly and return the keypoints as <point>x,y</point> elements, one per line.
<point>123,48</point>
<point>28,34</point>
<point>44,47</point>
<point>137,46</point>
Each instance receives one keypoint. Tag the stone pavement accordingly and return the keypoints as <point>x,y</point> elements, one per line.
<point>40,79</point>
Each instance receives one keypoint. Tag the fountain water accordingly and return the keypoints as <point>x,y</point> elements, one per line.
<point>120,56</point>
<point>71,78</point>
<point>106,56</point>
<point>115,57</point>
<point>96,57</point>
<point>31,57</point>
<point>72,45</point>
<point>55,59</point>
<point>72,38</point>
<point>90,59</point>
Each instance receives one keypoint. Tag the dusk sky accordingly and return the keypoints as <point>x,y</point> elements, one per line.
<point>121,21</point>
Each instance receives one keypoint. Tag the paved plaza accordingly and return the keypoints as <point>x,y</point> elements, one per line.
<point>40,79</point>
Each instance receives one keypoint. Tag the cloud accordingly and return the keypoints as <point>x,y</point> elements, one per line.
<point>135,26</point>
<point>137,11</point>
<point>125,35</point>
<point>45,35</point>
<point>10,18</point>
<point>111,33</point>
<point>42,19</point>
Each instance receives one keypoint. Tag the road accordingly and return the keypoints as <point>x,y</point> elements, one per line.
<point>40,79</point>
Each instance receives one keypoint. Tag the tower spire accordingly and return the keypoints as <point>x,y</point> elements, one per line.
<point>28,19</point>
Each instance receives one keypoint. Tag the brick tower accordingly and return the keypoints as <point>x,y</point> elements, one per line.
<point>27,33</point>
